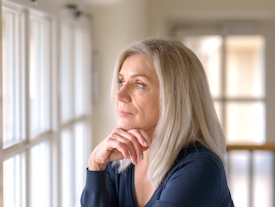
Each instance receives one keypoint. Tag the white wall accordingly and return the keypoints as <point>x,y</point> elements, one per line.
<point>164,13</point>
<point>114,27</point>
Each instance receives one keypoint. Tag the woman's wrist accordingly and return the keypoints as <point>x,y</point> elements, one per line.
<point>96,166</point>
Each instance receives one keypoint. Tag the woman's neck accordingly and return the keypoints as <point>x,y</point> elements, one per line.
<point>148,134</point>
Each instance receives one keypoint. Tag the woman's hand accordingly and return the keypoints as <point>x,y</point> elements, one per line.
<point>118,145</point>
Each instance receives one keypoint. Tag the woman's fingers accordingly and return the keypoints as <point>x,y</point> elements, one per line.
<point>141,139</point>
<point>139,136</point>
<point>120,146</point>
<point>132,140</point>
<point>128,144</point>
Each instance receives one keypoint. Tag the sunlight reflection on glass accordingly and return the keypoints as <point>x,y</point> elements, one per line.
<point>67,91</point>
<point>238,177</point>
<point>11,76</point>
<point>12,178</point>
<point>40,175</point>
<point>208,50</point>
<point>39,73</point>
<point>263,177</point>
<point>79,77</point>
<point>80,158</point>
<point>245,66</point>
<point>245,123</point>
<point>67,167</point>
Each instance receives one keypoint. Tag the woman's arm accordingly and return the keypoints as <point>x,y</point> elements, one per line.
<point>100,189</point>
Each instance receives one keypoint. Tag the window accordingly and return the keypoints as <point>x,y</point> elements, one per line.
<point>13,84</point>
<point>40,175</point>
<point>74,135</point>
<point>235,63</point>
<point>67,66</point>
<point>39,74</point>
<point>13,178</point>
<point>13,105</point>
<point>235,68</point>
<point>46,118</point>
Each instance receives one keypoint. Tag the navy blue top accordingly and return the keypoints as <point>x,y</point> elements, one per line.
<point>197,179</point>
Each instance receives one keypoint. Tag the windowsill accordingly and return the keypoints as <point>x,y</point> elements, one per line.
<point>266,146</point>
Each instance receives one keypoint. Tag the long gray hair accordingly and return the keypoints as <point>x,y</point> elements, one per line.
<point>187,112</point>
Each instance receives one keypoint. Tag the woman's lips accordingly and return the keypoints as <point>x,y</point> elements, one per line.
<point>123,113</point>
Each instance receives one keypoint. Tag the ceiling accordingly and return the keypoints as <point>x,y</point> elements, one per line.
<point>94,2</point>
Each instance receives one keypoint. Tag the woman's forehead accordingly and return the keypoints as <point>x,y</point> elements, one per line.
<point>137,65</point>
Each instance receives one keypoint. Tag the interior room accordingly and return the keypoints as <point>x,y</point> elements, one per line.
<point>58,58</point>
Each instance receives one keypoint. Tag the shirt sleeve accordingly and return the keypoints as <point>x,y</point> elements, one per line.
<point>99,191</point>
<point>198,183</point>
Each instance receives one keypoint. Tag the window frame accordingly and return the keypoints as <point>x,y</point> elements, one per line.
<point>263,27</point>
<point>234,29</point>
<point>22,79</point>
<point>85,118</point>
<point>56,15</point>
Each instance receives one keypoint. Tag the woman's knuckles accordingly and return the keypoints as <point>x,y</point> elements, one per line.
<point>119,145</point>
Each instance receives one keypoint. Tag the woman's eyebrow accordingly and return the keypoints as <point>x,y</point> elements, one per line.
<point>135,75</point>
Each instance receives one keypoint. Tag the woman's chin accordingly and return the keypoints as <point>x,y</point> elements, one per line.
<point>126,126</point>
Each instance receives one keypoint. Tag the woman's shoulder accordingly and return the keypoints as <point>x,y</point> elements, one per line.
<point>197,153</point>
<point>196,162</point>
<point>198,171</point>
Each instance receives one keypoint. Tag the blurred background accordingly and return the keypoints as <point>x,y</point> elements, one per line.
<point>58,58</point>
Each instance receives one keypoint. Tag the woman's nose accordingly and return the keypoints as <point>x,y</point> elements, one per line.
<point>123,95</point>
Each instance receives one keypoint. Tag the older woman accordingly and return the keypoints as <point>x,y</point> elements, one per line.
<point>168,148</point>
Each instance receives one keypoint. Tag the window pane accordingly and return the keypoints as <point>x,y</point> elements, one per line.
<point>245,66</point>
<point>67,167</point>
<point>40,175</point>
<point>245,122</point>
<point>66,73</point>
<point>263,190</point>
<point>12,83</point>
<point>238,177</point>
<point>209,50</point>
<point>39,73</point>
<point>79,74</point>
<point>81,158</point>
<point>13,177</point>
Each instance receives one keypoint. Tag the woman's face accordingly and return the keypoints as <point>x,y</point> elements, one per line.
<point>138,97</point>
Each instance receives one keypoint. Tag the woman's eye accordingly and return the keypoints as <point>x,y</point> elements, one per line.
<point>121,83</point>
<point>139,85</point>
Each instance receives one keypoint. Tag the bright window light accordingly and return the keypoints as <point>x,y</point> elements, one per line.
<point>39,74</point>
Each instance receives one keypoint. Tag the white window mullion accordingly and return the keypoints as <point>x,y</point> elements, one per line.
<point>27,105</point>
<point>73,97</point>
<point>1,120</point>
<point>67,115</point>
<point>67,167</point>
<point>55,114</point>
<point>17,133</point>
<point>88,95</point>
<point>72,78</point>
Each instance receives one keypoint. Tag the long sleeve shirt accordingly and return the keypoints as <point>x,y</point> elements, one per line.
<point>197,179</point>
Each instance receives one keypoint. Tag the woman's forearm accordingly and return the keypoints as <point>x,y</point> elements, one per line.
<point>95,193</point>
